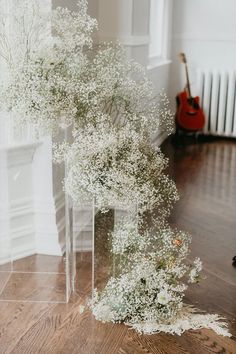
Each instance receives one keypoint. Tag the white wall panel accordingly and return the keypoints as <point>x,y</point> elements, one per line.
<point>205,30</point>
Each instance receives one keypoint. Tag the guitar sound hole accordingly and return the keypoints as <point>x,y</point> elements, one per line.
<point>191,113</point>
<point>193,103</point>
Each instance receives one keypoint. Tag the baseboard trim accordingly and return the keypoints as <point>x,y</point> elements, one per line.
<point>160,138</point>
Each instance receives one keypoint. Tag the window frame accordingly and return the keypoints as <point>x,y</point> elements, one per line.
<point>166,16</point>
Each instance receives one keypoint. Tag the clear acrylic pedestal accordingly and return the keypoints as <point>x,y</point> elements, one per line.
<point>39,277</point>
<point>94,258</point>
<point>106,263</point>
<point>34,267</point>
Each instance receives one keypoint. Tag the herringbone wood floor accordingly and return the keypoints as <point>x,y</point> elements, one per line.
<point>206,177</point>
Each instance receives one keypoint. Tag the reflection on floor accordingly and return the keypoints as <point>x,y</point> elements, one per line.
<point>34,278</point>
<point>205,174</point>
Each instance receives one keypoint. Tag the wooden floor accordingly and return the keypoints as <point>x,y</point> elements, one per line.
<point>206,177</point>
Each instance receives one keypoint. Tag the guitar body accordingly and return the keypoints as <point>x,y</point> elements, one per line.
<point>189,115</point>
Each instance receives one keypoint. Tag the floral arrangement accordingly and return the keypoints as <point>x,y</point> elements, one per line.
<point>112,110</point>
<point>116,165</point>
<point>49,78</point>
<point>148,288</point>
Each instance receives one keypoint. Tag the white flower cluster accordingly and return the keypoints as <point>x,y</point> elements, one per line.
<point>111,107</point>
<point>124,93</point>
<point>149,283</point>
<point>194,273</point>
<point>65,83</point>
<point>46,88</point>
<point>117,165</point>
<point>188,318</point>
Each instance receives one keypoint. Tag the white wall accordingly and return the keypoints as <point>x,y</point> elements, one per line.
<point>205,30</point>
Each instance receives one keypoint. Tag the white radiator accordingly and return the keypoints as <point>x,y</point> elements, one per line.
<point>217,91</point>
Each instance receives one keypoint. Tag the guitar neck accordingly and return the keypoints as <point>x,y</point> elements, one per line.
<point>188,82</point>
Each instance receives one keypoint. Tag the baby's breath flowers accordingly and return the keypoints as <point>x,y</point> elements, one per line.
<point>112,110</point>
<point>148,288</point>
<point>123,91</point>
<point>46,88</point>
<point>149,284</point>
<point>118,166</point>
<point>67,82</point>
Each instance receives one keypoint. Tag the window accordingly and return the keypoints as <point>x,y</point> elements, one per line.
<point>159,31</point>
<point>156,28</point>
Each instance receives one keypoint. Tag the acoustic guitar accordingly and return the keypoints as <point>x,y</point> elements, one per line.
<point>189,115</point>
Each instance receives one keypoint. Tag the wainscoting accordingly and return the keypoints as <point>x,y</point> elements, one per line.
<point>31,206</point>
